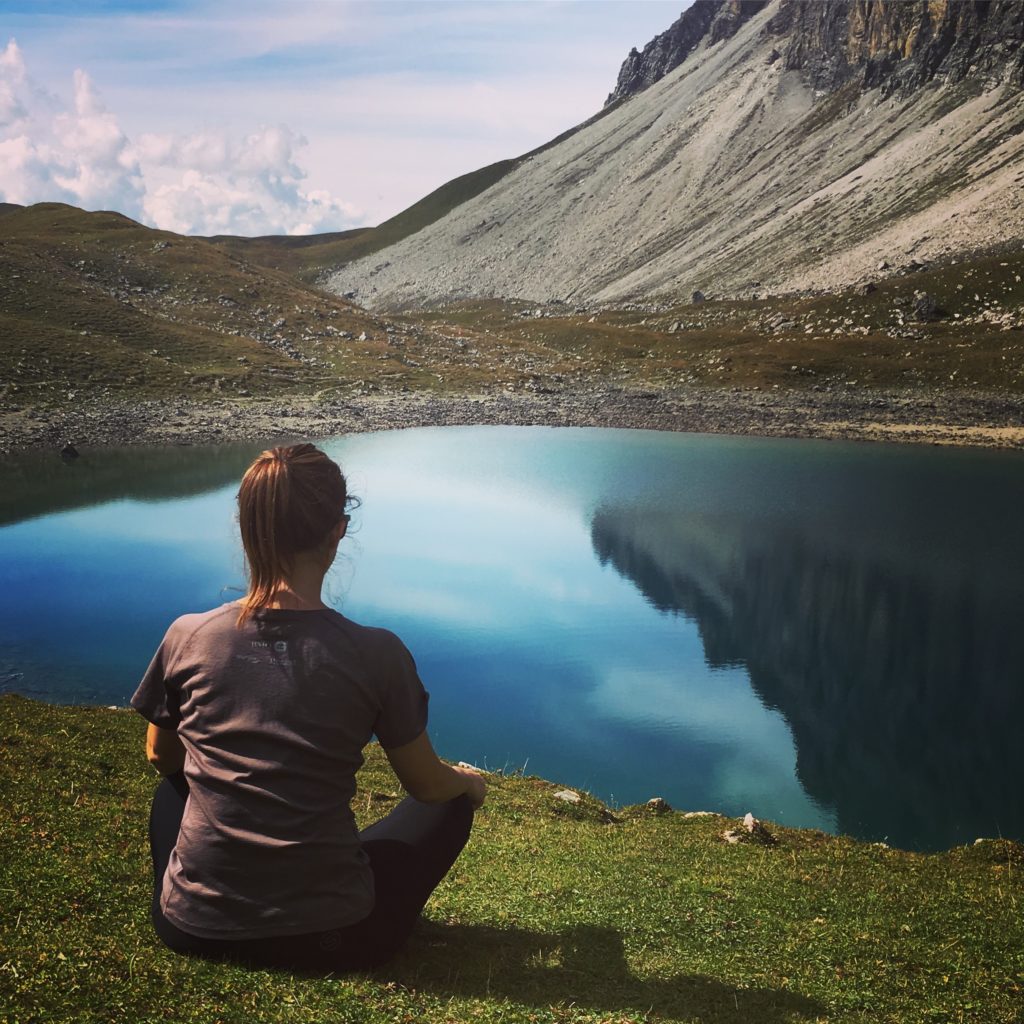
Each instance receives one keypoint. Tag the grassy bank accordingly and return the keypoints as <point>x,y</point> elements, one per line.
<point>554,912</point>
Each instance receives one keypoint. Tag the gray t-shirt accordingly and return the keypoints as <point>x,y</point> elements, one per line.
<point>274,717</point>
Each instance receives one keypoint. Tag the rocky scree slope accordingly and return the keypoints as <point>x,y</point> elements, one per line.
<point>793,146</point>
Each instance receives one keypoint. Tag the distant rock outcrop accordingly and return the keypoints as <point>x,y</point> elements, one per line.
<point>896,46</point>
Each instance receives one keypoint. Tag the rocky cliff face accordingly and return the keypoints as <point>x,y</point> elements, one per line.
<point>897,45</point>
<point>901,46</point>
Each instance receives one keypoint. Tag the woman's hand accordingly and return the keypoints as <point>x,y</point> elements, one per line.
<point>426,777</point>
<point>164,751</point>
<point>476,786</point>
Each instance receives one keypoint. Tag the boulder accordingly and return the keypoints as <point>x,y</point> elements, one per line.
<point>924,307</point>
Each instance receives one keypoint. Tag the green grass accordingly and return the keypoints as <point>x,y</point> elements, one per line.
<point>551,914</point>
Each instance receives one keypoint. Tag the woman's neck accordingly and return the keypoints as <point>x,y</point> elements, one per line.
<point>302,589</point>
<point>292,600</point>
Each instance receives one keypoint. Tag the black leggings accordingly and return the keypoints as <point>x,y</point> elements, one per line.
<point>410,851</point>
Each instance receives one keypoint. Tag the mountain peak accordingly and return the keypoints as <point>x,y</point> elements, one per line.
<point>706,21</point>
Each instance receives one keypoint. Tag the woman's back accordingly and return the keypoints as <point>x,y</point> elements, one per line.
<point>274,715</point>
<point>258,714</point>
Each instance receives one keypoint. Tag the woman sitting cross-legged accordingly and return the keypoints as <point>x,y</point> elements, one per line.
<point>259,711</point>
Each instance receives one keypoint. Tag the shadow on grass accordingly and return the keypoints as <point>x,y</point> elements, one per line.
<point>584,966</point>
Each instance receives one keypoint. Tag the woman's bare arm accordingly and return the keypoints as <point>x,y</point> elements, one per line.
<point>164,750</point>
<point>426,777</point>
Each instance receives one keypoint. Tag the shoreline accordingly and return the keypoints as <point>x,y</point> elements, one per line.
<point>571,799</point>
<point>981,419</point>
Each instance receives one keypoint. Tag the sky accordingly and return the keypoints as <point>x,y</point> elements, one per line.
<point>292,116</point>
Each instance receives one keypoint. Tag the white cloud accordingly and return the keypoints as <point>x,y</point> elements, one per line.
<point>98,165</point>
<point>209,183</point>
<point>206,182</point>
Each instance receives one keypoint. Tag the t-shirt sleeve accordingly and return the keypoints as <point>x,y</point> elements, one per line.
<point>403,700</point>
<point>157,698</point>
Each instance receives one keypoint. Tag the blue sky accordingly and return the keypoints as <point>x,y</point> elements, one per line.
<point>292,115</point>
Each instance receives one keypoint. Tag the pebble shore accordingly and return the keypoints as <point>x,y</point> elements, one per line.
<point>983,419</point>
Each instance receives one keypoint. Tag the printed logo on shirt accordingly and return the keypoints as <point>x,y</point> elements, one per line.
<point>281,646</point>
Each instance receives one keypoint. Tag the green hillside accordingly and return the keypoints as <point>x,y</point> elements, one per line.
<point>94,303</point>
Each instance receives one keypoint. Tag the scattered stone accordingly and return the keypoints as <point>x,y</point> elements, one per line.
<point>674,326</point>
<point>658,805</point>
<point>780,322</point>
<point>698,297</point>
<point>568,796</point>
<point>700,814</point>
<point>751,832</point>
<point>868,288</point>
<point>363,337</point>
<point>69,451</point>
<point>883,265</point>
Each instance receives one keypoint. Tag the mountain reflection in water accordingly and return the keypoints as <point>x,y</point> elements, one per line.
<point>882,663</point>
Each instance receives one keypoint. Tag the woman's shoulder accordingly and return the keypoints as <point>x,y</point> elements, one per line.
<point>375,639</point>
<point>186,626</point>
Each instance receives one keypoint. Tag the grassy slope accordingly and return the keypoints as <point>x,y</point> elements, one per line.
<point>977,341</point>
<point>552,914</point>
<point>335,249</point>
<point>95,304</point>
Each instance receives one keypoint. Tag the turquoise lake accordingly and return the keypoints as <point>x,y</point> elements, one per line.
<point>827,634</point>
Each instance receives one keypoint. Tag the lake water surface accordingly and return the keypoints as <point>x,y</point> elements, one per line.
<point>825,634</point>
